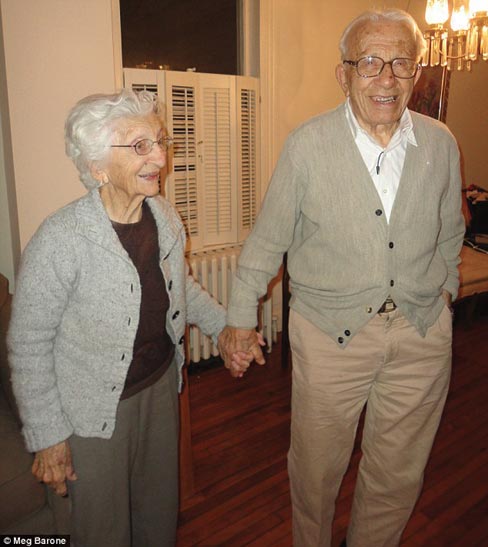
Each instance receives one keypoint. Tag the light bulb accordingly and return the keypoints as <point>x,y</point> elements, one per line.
<point>436,12</point>
<point>478,6</point>
<point>460,16</point>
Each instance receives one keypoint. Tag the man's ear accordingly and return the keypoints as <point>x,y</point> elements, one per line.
<point>417,76</point>
<point>341,77</point>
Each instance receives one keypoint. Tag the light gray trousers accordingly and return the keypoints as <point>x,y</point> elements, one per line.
<point>403,379</point>
<point>126,494</point>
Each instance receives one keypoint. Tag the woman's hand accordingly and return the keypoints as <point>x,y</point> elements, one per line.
<point>239,347</point>
<point>53,466</point>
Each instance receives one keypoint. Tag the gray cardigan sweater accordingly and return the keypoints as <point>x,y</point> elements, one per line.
<point>75,316</point>
<point>344,258</point>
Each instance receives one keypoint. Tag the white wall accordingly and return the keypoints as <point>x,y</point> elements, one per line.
<point>56,52</point>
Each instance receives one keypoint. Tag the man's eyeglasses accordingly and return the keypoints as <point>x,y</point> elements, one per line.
<point>370,66</point>
<point>144,146</point>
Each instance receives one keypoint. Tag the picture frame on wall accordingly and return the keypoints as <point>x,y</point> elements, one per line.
<point>431,92</point>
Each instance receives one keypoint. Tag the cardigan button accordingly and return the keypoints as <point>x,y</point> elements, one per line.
<point>347,332</point>
<point>175,314</point>
<point>392,283</point>
<point>170,284</point>
<point>378,212</point>
<point>391,244</point>
<point>181,340</point>
<point>369,309</point>
<point>340,340</point>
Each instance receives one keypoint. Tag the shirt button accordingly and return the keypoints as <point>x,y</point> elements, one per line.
<point>340,340</point>
<point>392,283</point>
<point>391,244</point>
<point>347,332</point>
<point>385,191</point>
<point>378,212</point>
<point>175,314</point>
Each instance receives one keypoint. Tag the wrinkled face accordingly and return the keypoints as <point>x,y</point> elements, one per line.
<point>128,172</point>
<point>378,102</point>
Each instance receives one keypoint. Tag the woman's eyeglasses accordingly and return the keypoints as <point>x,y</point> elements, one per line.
<point>144,146</point>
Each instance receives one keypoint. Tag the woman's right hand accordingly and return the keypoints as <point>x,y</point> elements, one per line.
<point>53,466</point>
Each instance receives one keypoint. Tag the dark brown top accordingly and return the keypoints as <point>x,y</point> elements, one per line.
<point>153,348</point>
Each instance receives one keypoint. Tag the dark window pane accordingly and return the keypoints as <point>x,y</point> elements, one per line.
<point>180,34</point>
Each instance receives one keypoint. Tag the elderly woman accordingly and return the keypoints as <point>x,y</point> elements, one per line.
<point>96,336</point>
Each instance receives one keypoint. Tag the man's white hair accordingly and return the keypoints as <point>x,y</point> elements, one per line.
<point>377,16</point>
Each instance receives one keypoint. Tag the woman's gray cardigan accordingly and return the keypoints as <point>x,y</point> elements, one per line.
<point>75,316</point>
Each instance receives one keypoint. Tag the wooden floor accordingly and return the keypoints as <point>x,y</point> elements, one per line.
<point>240,434</point>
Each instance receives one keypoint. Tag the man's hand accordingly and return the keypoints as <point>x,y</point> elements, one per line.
<point>239,347</point>
<point>53,466</point>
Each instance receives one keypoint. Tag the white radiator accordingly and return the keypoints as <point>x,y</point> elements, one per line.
<point>215,270</point>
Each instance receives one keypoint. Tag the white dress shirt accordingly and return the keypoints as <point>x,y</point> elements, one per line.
<point>385,165</point>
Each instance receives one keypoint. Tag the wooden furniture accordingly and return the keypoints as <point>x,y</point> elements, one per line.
<point>473,273</point>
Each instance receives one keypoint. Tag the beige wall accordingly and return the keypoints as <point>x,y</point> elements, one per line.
<point>56,52</point>
<point>467,117</point>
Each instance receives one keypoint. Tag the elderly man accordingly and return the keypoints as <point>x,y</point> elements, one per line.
<point>366,201</point>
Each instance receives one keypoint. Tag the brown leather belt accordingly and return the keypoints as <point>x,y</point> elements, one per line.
<point>388,306</point>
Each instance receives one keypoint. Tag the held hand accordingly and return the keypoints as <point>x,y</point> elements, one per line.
<point>53,466</point>
<point>239,347</point>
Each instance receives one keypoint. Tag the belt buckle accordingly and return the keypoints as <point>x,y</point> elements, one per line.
<point>388,306</point>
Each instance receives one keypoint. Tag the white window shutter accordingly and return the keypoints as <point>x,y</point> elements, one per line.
<point>218,150</point>
<point>183,189</point>
<point>139,80</point>
<point>248,161</point>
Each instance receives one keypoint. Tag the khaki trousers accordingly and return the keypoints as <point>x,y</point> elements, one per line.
<point>126,494</point>
<point>403,379</point>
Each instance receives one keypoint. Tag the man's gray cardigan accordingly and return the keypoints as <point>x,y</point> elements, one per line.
<point>75,316</point>
<point>344,258</point>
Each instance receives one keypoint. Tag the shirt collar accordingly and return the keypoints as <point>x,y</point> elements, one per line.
<point>404,130</point>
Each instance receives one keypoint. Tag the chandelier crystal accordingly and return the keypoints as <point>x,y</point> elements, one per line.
<point>465,42</point>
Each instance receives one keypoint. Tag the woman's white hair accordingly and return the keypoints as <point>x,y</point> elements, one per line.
<point>377,16</point>
<point>92,124</point>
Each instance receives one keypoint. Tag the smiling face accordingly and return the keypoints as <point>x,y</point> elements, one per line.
<point>130,174</point>
<point>379,102</point>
